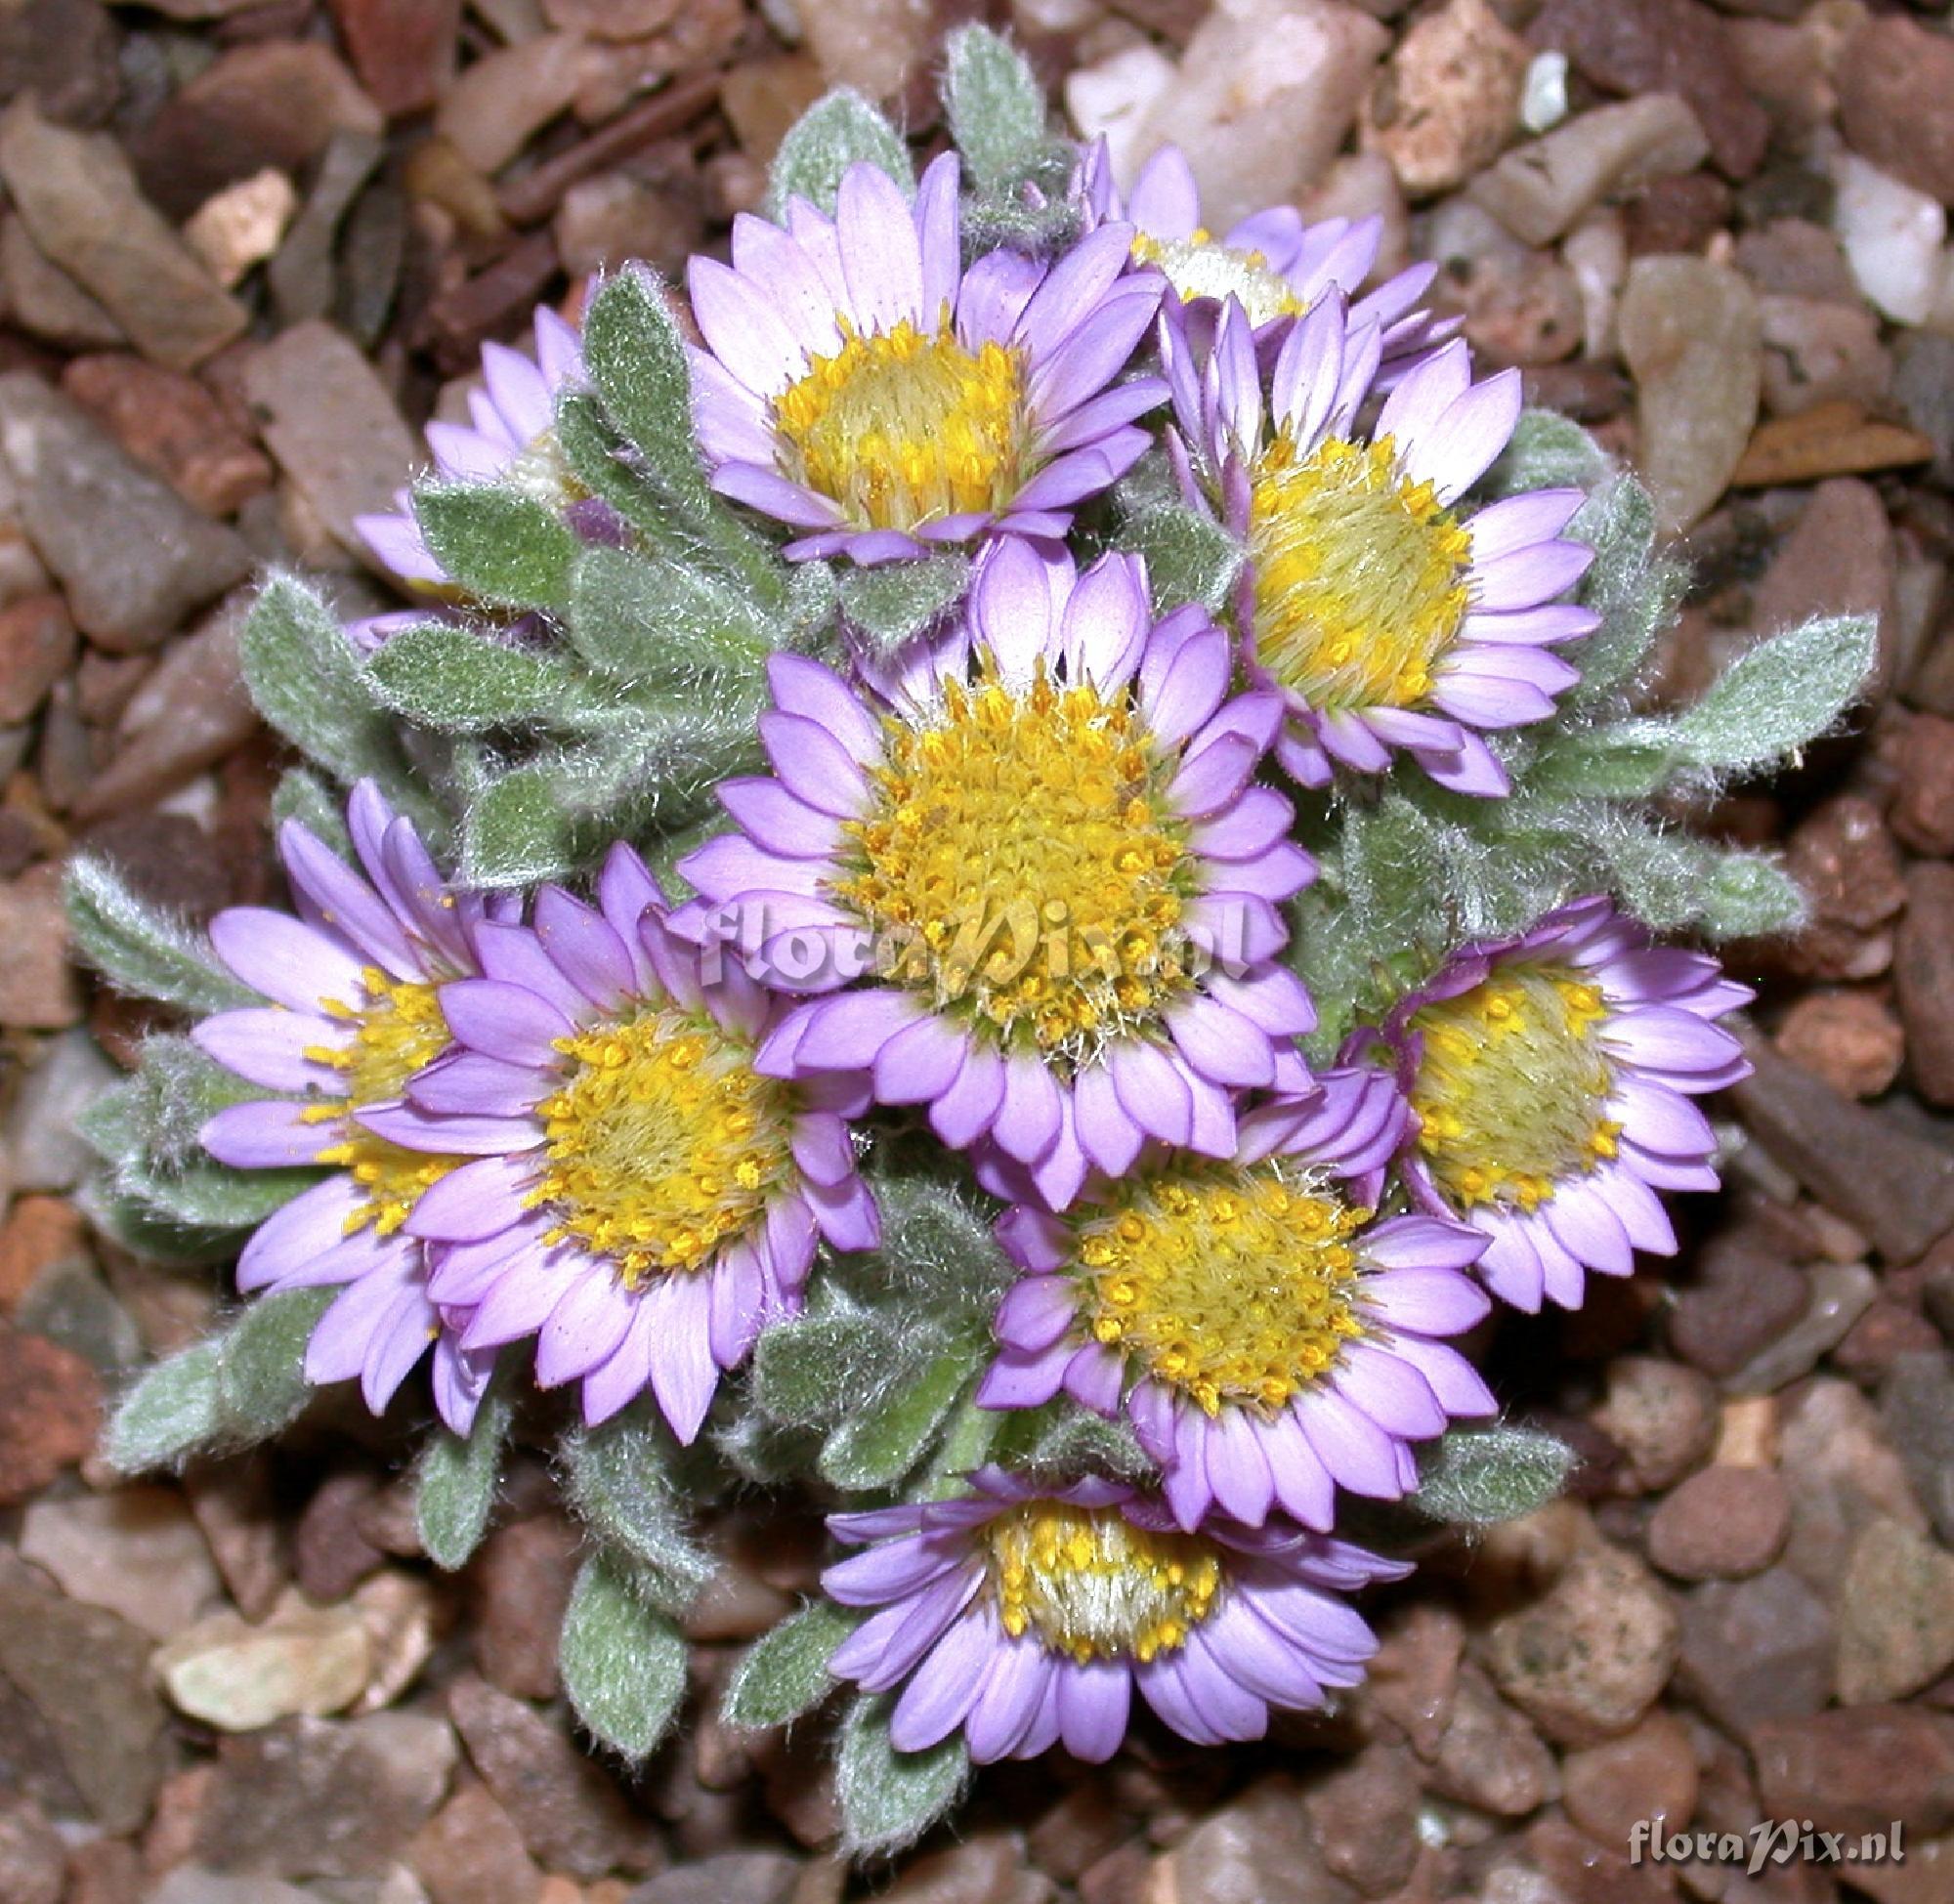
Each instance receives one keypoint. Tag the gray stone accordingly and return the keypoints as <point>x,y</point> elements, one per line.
<point>133,557</point>
<point>1895,1614</point>
<point>1917,1409</point>
<point>81,201</point>
<point>136,1552</point>
<point>45,301</point>
<point>1757,1649</point>
<point>39,1134</point>
<point>86,1672</point>
<point>196,1883</point>
<point>1257,1850</point>
<point>1840,1293</point>
<point>739,1878</point>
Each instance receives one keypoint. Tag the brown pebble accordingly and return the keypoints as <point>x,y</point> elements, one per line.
<point>1844,860</point>
<point>1757,1649</point>
<point>37,647</point>
<point>1895,83</point>
<point>1923,808</point>
<point>172,424</point>
<point>470,1852</point>
<point>1723,1523</point>
<point>1834,439</point>
<point>50,1413</point>
<point>39,1232</point>
<point>1366,1818</point>
<point>1923,980</point>
<point>523,1577</point>
<point>1663,1416</point>
<point>1647,1773</point>
<point>1848,1039</point>
<point>1859,1769</point>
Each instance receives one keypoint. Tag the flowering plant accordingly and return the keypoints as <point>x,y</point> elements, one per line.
<point>1015,884</point>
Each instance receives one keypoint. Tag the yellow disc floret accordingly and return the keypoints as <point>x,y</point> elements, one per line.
<point>1512,1086</point>
<point>1202,266</point>
<point>663,1142</point>
<point>906,426</point>
<point>397,1029</point>
<point>1236,1287</point>
<point>1360,574</point>
<point>1022,866</point>
<point>1086,1581</point>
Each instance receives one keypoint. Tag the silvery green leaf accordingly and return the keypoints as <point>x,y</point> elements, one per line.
<point>1624,761</point>
<point>812,1371</point>
<point>142,948</point>
<point>661,622</point>
<point>937,1245</point>
<point>516,831</point>
<point>635,355</point>
<point>994,105</point>
<point>1779,694</point>
<point>1190,556</point>
<point>261,1376</point>
<point>879,1443</point>
<point>621,1487</point>
<point>306,679</point>
<point>498,544</point>
<point>1670,879</point>
<point>896,600</point>
<point>1635,593</point>
<point>210,1196</point>
<point>888,1798</point>
<point>840,130</point>
<point>454,1491</point>
<point>144,1231</point>
<point>170,1412</point>
<point>302,797</point>
<point>1062,1441</point>
<point>1478,1476</point>
<point>622,1661</point>
<point>1549,452</point>
<point>462,681</point>
<point>783,1674</point>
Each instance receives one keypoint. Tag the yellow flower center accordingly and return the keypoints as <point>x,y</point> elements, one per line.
<point>1090,1584</point>
<point>906,426</point>
<point>1201,267</point>
<point>396,1030</point>
<point>1360,574</point>
<point>663,1142</point>
<point>1021,865</point>
<point>1235,1285</point>
<point>1512,1085</point>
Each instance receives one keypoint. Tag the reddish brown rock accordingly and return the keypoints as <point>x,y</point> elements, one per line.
<point>523,1577</point>
<point>1636,47</point>
<point>1415,1673</point>
<point>1923,980</point>
<point>1895,1614</point>
<point>1489,1755</point>
<point>1839,560</point>
<point>329,1553</point>
<point>1757,1649</point>
<point>401,50</point>
<point>1366,1818</point>
<point>1743,1298</point>
<point>37,647</point>
<point>1848,1039</point>
<point>39,1233</point>
<point>1858,1770</point>
<point>38,985</point>
<point>33,1862</point>
<point>470,1852</point>
<point>1662,1416</point>
<point>1896,101</point>
<point>1923,808</point>
<point>1647,1773</point>
<point>170,423</point>
<point>1845,861</point>
<point>1723,1523</point>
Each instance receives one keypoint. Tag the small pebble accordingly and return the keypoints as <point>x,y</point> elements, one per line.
<point>1723,1523</point>
<point>1848,1039</point>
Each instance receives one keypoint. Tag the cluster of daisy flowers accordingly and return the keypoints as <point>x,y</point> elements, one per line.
<point>1013,904</point>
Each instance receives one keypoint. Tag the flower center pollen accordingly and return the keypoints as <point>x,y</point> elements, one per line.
<point>1360,574</point>
<point>398,1030</point>
<point>1236,1287</point>
<point>662,1143</point>
<point>903,427</point>
<point>1091,1585</point>
<point>1512,1086</point>
<point>1021,865</point>
<point>1202,266</point>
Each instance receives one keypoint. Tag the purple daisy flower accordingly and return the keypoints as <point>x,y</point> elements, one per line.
<point>1043,844</point>
<point>1028,1616</point>
<point>639,1198</point>
<point>1383,615</point>
<point>512,441</point>
<point>860,385</point>
<point>1550,1076</point>
<point>1274,263</point>
<point>1270,1339</point>
<point>352,983</point>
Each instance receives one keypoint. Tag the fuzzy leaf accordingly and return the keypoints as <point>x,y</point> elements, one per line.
<point>1778,695</point>
<point>306,679</point>
<point>620,1485</point>
<point>1475,1477</point>
<point>498,544</point>
<point>262,1384</point>
<point>1670,881</point>
<point>937,1245</point>
<point>635,355</point>
<point>454,1492</point>
<point>302,797</point>
<point>812,1372</point>
<point>171,1411</point>
<point>840,130</point>
<point>459,681</point>
<point>895,601</point>
<point>888,1798</point>
<point>623,1662</point>
<point>1635,595</point>
<point>213,1197</point>
<point>660,622</point>
<point>994,105</point>
<point>784,1674</point>
<point>1190,556</point>
<point>1061,1441</point>
<point>125,1217</point>
<point>142,948</point>
<point>878,1444</point>
<point>1628,760</point>
<point>1549,452</point>
<point>516,833</point>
